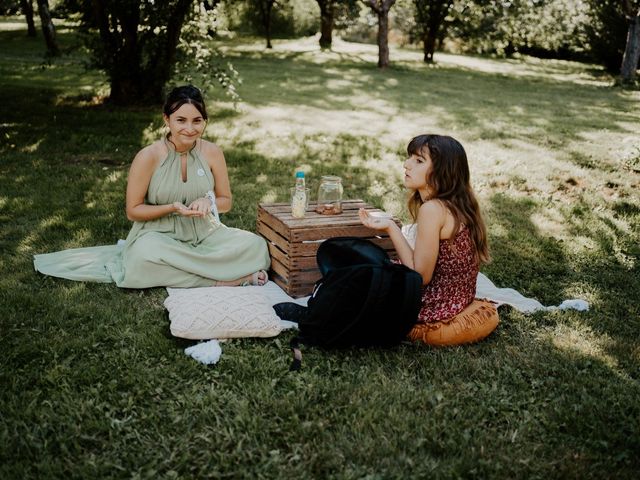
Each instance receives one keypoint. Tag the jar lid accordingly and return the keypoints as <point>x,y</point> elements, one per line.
<point>331,178</point>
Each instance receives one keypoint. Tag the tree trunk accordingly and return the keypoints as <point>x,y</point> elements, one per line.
<point>431,16</point>
<point>267,24</point>
<point>381,8</point>
<point>429,45</point>
<point>265,15</point>
<point>632,51</point>
<point>383,39</point>
<point>326,23</point>
<point>126,84</point>
<point>48,30</point>
<point>27,9</point>
<point>166,59</point>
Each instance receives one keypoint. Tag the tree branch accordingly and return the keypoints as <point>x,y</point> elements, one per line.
<point>373,5</point>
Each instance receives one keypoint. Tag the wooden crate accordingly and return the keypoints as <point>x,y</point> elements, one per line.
<point>293,242</point>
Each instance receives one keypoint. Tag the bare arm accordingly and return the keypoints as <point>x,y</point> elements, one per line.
<point>140,173</point>
<point>431,220</point>
<point>423,258</point>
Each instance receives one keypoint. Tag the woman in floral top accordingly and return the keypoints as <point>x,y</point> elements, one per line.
<point>451,237</point>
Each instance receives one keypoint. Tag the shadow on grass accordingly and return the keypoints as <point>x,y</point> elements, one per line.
<point>522,258</point>
<point>549,270</point>
<point>612,270</point>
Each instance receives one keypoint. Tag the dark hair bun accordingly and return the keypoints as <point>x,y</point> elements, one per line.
<point>182,95</point>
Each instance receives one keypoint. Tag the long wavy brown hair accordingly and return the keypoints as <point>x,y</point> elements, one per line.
<point>450,183</point>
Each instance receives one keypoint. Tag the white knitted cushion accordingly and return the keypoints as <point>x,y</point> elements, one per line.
<point>221,312</point>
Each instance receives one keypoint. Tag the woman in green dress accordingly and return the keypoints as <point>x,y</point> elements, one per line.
<point>175,189</point>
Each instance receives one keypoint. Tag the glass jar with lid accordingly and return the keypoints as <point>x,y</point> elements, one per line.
<point>330,195</point>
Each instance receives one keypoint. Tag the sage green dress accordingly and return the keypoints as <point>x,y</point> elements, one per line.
<point>171,251</point>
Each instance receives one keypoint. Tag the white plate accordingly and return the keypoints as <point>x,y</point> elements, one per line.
<point>380,214</point>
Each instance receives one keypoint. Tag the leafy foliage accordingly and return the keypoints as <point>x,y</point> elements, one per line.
<point>138,44</point>
<point>198,62</point>
<point>9,7</point>
<point>289,18</point>
<point>430,18</point>
<point>541,27</point>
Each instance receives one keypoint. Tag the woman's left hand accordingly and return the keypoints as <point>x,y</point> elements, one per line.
<point>376,223</point>
<point>201,205</point>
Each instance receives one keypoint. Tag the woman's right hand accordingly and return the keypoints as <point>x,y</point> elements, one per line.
<point>181,209</point>
<point>375,223</point>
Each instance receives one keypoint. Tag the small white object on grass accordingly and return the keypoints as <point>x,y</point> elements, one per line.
<point>574,304</point>
<point>205,352</point>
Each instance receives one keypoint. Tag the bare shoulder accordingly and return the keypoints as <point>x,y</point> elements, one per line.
<point>436,214</point>
<point>150,155</point>
<point>433,209</point>
<point>211,151</point>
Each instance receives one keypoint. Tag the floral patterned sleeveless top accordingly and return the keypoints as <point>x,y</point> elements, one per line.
<point>453,283</point>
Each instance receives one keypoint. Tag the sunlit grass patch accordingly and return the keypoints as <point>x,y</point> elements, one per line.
<point>580,340</point>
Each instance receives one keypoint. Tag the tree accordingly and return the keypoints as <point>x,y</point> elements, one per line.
<point>326,22</point>
<point>48,29</point>
<point>335,14</point>
<point>632,50</point>
<point>266,8</point>
<point>381,9</point>
<point>137,45</point>
<point>27,8</point>
<point>430,16</point>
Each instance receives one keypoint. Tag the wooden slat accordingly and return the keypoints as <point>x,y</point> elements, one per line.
<point>304,249</point>
<point>281,283</point>
<point>295,290</point>
<point>310,248</point>
<point>315,226</point>
<point>282,212</point>
<point>273,237</point>
<point>303,263</point>
<point>274,223</point>
<point>304,277</point>
<point>308,260</point>
<point>283,207</point>
<point>276,254</point>
<point>280,269</point>
<point>330,231</point>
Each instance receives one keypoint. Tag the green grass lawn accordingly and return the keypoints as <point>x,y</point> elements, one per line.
<point>92,384</point>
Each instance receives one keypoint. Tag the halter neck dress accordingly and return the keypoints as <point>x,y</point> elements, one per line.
<point>170,251</point>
